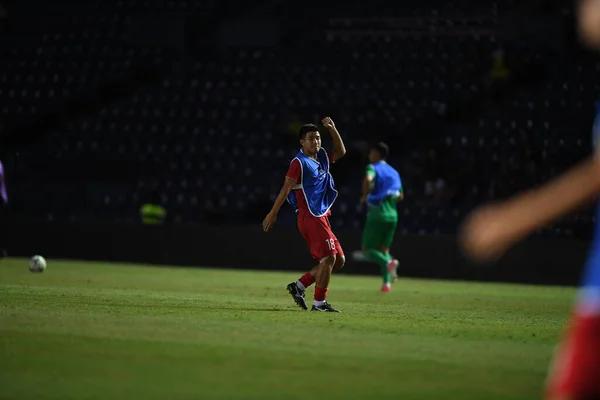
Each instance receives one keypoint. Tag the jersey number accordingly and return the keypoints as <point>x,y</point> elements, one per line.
<point>330,243</point>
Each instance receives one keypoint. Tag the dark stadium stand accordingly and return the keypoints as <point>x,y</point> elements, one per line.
<point>137,116</point>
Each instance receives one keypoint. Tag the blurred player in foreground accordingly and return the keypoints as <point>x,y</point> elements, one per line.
<point>309,188</point>
<point>491,230</point>
<point>381,190</point>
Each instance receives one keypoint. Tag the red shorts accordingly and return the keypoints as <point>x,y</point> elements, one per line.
<point>575,372</point>
<point>317,233</point>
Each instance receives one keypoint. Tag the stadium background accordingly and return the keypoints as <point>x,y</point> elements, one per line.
<point>195,104</point>
<point>103,103</point>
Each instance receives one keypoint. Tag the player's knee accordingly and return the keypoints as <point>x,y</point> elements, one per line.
<point>329,261</point>
<point>384,249</point>
<point>340,260</point>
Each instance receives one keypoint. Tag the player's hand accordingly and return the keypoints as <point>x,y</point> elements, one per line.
<point>486,234</point>
<point>328,123</point>
<point>269,221</point>
<point>363,199</point>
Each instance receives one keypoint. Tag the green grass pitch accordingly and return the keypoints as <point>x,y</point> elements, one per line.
<point>106,331</point>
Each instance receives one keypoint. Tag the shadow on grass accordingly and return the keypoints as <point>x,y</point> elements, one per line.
<point>257,309</point>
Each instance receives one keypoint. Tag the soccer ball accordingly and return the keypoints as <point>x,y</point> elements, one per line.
<point>37,264</point>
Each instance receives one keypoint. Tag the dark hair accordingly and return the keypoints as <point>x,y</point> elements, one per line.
<point>382,149</point>
<point>307,128</point>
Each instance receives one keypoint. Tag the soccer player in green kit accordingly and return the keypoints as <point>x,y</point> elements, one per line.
<point>381,190</point>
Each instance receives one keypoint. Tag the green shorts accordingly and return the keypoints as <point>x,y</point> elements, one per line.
<point>378,233</point>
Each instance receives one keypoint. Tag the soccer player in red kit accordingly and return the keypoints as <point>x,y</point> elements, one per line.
<point>491,230</point>
<point>309,187</point>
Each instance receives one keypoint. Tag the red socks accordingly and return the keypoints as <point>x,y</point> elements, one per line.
<point>307,279</point>
<point>320,294</point>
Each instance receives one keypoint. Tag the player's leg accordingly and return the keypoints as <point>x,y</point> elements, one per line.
<point>324,271</point>
<point>393,263</point>
<point>340,258</point>
<point>297,289</point>
<point>316,274</point>
<point>371,243</point>
<point>322,245</point>
<point>325,244</point>
<point>576,367</point>
<point>388,234</point>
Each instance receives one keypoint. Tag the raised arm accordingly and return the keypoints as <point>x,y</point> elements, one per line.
<point>339,150</point>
